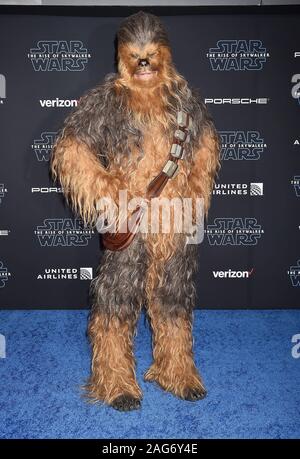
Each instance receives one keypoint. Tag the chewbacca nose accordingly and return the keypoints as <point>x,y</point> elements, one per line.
<point>143,62</point>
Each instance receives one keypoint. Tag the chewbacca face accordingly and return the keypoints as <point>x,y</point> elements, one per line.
<point>143,66</point>
<point>143,51</point>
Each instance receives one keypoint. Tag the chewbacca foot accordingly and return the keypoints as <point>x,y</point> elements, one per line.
<point>189,387</point>
<point>193,395</point>
<point>126,403</point>
<point>118,397</point>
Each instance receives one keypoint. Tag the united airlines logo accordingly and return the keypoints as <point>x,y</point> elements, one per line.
<point>4,275</point>
<point>238,55</point>
<point>59,56</point>
<point>238,189</point>
<point>63,232</point>
<point>2,88</point>
<point>256,189</point>
<point>42,147</point>
<point>296,184</point>
<point>294,274</point>
<point>3,192</point>
<point>86,273</point>
<point>242,145</point>
<point>66,274</point>
<point>234,231</point>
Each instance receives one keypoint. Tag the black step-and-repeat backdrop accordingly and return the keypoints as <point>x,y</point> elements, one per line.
<point>247,66</point>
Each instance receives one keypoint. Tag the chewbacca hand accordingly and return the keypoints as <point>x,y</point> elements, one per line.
<point>108,204</point>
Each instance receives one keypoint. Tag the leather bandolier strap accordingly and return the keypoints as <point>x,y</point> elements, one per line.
<point>119,240</point>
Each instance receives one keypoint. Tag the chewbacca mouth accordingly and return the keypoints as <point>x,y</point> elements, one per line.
<point>146,75</point>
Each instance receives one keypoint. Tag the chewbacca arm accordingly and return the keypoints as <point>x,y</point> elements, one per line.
<point>83,179</point>
<point>205,165</point>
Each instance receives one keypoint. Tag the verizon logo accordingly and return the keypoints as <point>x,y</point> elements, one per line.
<point>230,274</point>
<point>45,103</point>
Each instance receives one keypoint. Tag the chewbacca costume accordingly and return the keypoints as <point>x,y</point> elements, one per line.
<point>119,138</point>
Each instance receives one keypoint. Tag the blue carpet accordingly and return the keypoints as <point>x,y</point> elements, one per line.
<point>245,358</point>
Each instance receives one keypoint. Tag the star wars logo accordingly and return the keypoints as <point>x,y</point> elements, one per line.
<point>4,275</point>
<point>59,56</point>
<point>63,232</point>
<point>296,184</point>
<point>241,145</point>
<point>42,147</point>
<point>294,274</point>
<point>237,55</point>
<point>234,231</point>
<point>3,191</point>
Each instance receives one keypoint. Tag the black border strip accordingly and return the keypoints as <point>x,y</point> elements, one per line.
<point>123,11</point>
<point>81,447</point>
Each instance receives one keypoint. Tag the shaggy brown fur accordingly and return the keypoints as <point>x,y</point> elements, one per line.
<point>82,177</point>
<point>174,368</point>
<point>118,138</point>
<point>113,367</point>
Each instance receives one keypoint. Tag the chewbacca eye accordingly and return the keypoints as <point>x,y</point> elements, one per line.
<point>152,54</point>
<point>135,56</point>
